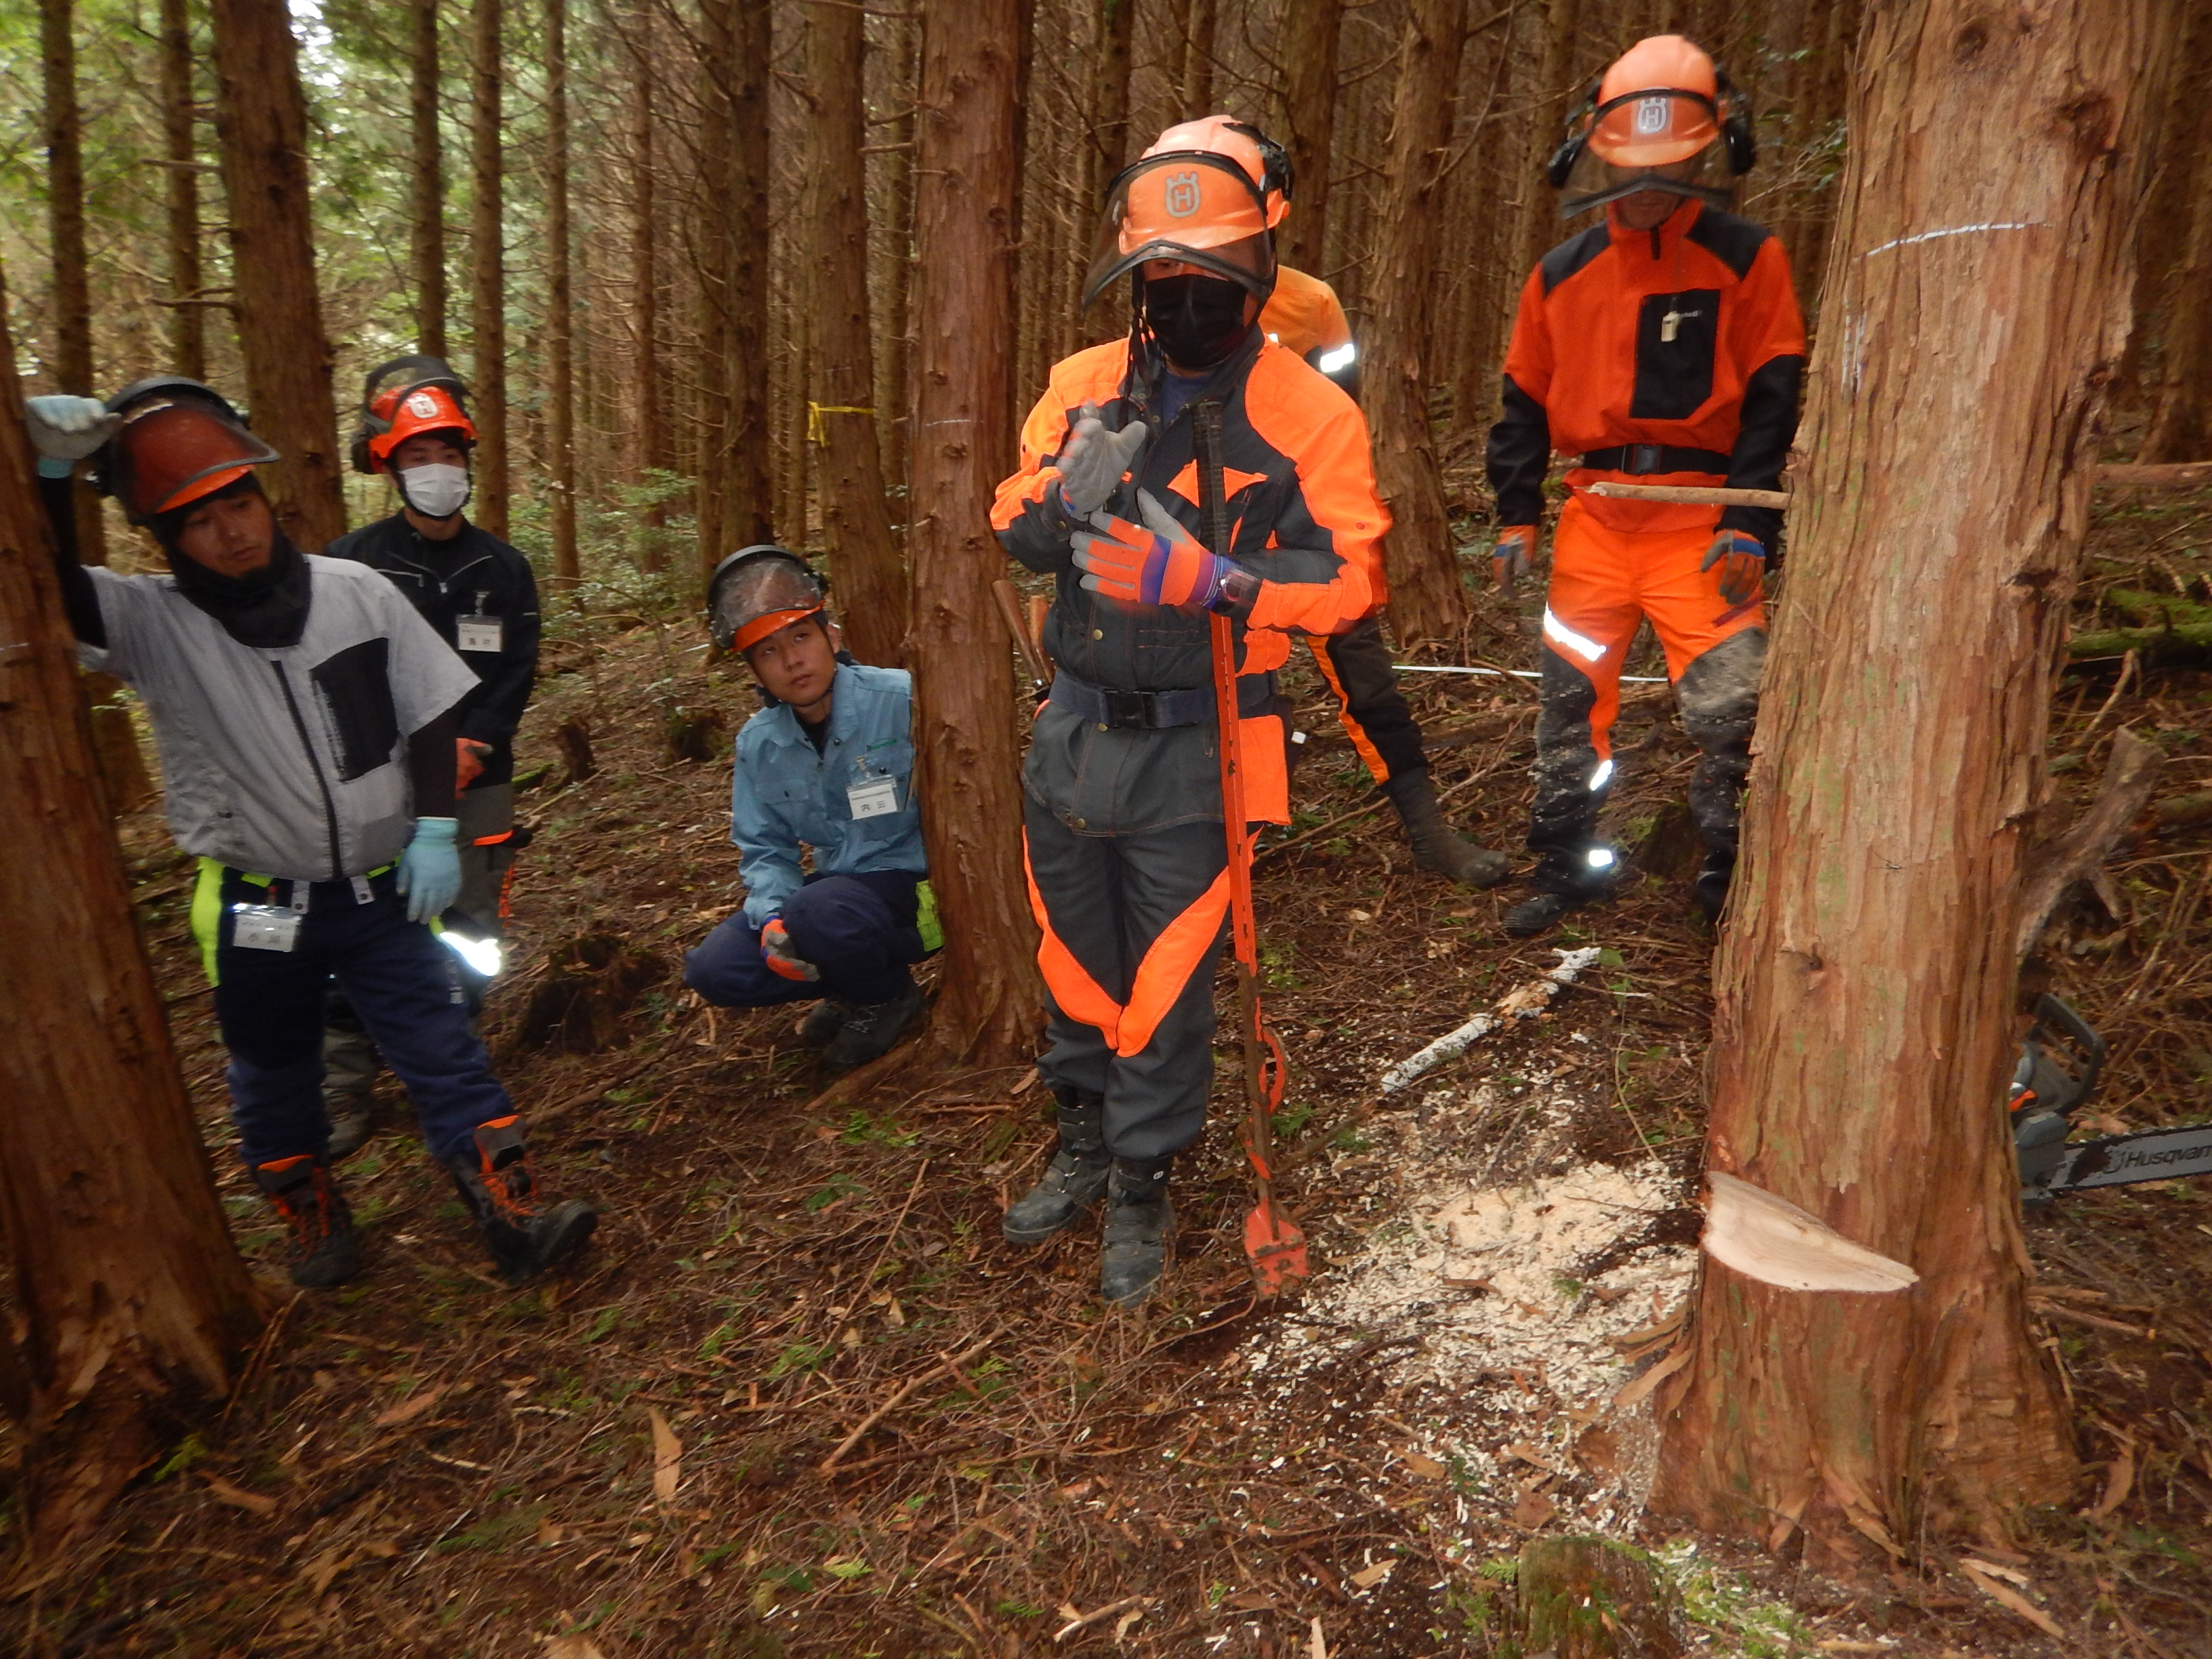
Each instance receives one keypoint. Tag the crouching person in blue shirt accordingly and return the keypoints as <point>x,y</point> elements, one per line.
<point>828,764</point>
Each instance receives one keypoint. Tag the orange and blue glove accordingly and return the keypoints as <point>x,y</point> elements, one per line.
<point>782,960</point>
<point>468,760</point>
<point>1155,563</point>
<point>1514,556</point>
<point>1742,559</point>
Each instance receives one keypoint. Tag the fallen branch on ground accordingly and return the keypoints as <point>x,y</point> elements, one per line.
<point>2130,771</point>
<point>943,1365</point>
<point>1523,1002</point>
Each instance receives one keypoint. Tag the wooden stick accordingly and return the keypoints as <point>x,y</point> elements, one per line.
<point>1689,495</point>
<point>2176,475</point>
<point>2080,852</point>
<point>1009,612</point>
<point>890,1405</point>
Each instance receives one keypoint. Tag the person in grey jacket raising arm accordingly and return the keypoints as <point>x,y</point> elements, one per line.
<point>303,713</point>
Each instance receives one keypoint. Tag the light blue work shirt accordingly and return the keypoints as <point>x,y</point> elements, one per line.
<point>784,794</point>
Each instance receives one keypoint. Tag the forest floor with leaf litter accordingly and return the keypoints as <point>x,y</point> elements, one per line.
<point>655,1455</point>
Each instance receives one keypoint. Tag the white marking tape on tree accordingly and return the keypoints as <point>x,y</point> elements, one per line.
<point>1523,1002</point>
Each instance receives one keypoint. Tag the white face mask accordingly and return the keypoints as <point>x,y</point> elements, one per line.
<point>437,492</point>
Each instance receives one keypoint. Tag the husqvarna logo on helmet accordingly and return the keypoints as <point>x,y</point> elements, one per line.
<point>1651,116</point>
<point>421,405</point>
<point>1183,199</point>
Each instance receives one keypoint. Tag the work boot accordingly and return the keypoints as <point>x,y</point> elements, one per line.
<point>1563,884</point>
<point>1073,1181</point>
<point>871,1029</point>
<point>354,1121</point>
<point>1139,1223</point>
<point>822,1022</point>
<point>1709,890</point>
<point>325,1250</point>
<point>495,1182</point>
<point>1435,848</point>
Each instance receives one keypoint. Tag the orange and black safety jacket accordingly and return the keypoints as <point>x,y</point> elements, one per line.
<point>1672,355</point>
<point>1304,518</point>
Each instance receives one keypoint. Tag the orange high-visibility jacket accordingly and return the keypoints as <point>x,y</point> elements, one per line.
<point>1303,315</point>
<point>1684,343</point>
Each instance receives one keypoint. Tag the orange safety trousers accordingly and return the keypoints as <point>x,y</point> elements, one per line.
<point>1604,582</point>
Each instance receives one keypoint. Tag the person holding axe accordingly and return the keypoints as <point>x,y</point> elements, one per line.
<point>1662,345</point>
<point>1127,851</point>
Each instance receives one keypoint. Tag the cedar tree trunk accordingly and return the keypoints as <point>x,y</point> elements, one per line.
<point>428,181</point>
<point>560,312</point>
<point>70,356</point>
<point>180,149</point>
<point>645,298</point>
<point>1866,977</point>
<point>488,269</point>
<point>969,753</point>
<point>856,521</point>
<point>261,119</point>
<point>1311,29</point>
<point>132,1301</point>
<point>1427,602</point>
<point>1110,119</point>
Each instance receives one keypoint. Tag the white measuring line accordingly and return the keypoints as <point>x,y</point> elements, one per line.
<point>1514,673</point>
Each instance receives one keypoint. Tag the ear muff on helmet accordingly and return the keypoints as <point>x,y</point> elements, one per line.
<point>1561,167</point>
<point>385,387</point>
<point>1738,136</point>
<point>1278,175</point>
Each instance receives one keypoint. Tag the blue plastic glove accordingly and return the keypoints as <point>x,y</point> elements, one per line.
<point>65,429</point>
<point>430,868</point>
<point>1742,560</point>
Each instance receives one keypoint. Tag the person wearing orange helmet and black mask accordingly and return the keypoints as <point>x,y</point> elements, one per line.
<point>479,595</point>
<point>1125,840</point>
<point>303,713</point>
<point>1662,345</point>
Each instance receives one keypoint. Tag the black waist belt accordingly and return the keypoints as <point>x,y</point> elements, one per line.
<point>1154,711</point>
<point>1637,458</point>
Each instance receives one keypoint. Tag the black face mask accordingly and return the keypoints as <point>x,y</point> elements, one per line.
<point>1198,320</point>
<point>266,609</point>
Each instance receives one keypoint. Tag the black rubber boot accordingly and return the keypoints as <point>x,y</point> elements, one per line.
<point>524,1236</point>
<point>870,1031</point>
<point>1073,1181</point>
<point>1710,888</point>
<point>325,1250</point>
<point>1435,848</point>
<point>1563,883</point>
<point>822,1022</point>
<point>1139,1223</point>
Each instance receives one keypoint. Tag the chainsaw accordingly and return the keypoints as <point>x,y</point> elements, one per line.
<point>2059,1061</point>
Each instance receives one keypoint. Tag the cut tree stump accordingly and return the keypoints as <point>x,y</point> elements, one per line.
<point>573,739</point>
<point>582,1005</point>
<point>698,735</point>
<point>1592,1598</point>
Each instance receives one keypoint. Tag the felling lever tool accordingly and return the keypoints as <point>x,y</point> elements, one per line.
<point>1273,1243</point>
<point>2050,1085</point>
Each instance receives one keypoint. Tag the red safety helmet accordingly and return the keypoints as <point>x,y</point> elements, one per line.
<point>404,396</point>
<point>179,441</point>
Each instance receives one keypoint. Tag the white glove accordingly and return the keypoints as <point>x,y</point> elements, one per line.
<point>1092,464</point>
<point>66,429</point>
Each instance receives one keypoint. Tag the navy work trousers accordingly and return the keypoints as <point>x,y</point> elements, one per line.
<point>859,930</point>
<point>401,982</point>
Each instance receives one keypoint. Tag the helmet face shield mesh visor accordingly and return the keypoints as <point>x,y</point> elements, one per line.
<point>1607,173</point>
<point>171,451</point>
<point>758,594</point>
<point>1194,208</point>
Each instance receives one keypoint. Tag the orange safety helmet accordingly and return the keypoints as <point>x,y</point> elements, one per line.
<point>180,442</point>
<point>404,396</point>
<point>1656,116</point>
<point>1204,194</point>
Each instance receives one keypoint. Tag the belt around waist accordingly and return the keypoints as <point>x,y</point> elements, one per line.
<point>1113,710</point>
<point>1639,459</point>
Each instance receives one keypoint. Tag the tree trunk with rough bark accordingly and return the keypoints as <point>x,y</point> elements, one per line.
<point>132,1300</point>
<point>1312,31</point>
<point>70,353</point>
<point>652,432</point>
<point>180,149</point>
<point>856,521</point>
<point>968,752</point>
<point>560,310</point>
<point>488,268</point>
<point>1868,975</point>
<point>1109,120</point>
<point>261,119</point>
<point>1427,602</point>
<point>1541,226</point>
<point>428,181</point>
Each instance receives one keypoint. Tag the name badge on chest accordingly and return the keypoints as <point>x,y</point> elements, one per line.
<point>480,633</point>
<point>264,928</point>
<point>872,795</point>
